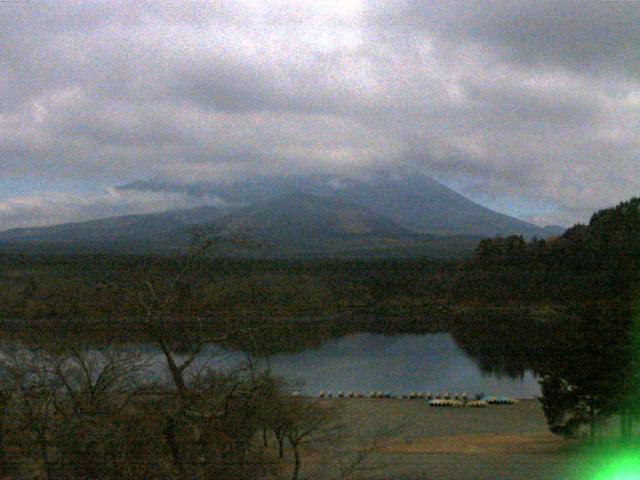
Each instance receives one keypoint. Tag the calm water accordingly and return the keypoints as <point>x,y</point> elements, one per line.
<point>398,364</point>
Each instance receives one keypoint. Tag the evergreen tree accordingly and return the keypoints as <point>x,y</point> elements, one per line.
<point>591,370</point>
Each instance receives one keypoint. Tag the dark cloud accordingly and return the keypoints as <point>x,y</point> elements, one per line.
<point>596,36</point>
<point>535,101</point>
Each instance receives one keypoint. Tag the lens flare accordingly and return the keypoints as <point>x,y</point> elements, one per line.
<point>609,464</point>
<point>626,467</point>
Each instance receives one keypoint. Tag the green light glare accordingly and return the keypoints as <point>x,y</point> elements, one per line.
<point>625,468</point>
<point>608,465</point>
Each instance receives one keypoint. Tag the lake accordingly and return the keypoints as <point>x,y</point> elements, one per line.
<point>396,363</point>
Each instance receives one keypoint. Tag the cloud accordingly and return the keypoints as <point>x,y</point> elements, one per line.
<point>538,102</point>
<point>590,37</point>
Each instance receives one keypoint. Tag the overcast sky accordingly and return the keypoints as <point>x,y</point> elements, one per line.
<point>528,107</point>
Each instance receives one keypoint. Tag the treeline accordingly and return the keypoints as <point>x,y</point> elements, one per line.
<point>99,286</point>
<point>591,367</point>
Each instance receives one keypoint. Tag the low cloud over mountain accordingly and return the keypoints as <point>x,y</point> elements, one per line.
<point>527,107</point>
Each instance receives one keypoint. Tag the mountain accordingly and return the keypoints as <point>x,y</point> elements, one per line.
<point>408,197</point>
<point>424,205</point>
<point>290,225</point>
<point>377,213</point>
<point>303,218</point>
<point>129,232</point>
<point>301,224</point>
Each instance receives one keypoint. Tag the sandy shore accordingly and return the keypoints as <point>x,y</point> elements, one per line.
<point>423,442</point>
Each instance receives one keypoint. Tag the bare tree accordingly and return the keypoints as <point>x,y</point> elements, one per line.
<point>158,299</point>
<point>340,451</point>
<point>101,381</point>
<point>278,419</point>
<point>33,390</point>
<point>71,403</point>
<point>361,447</point>
<point>4,411</point>
<point>306,420</point>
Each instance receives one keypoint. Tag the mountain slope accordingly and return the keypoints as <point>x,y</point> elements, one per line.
<point>125,232</point>
<point>424,205</point>
<point>291,225</point>
<point>304,218</point>
<point>410,198</point>
<point>300,224</point>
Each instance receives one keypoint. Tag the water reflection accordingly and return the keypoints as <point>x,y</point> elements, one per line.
<point>363,362</point>
<point>396,363</point>
<point>399,363</point>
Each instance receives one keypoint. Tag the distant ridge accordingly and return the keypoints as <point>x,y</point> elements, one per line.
<point>378,214</point>
<point>124,232</point>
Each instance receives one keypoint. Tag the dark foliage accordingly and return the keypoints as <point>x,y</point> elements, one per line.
<point>591,367</point>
